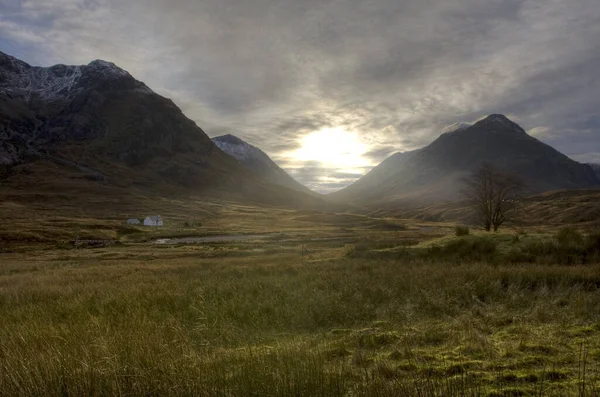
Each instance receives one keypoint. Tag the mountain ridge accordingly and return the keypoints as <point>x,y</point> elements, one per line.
<point>258,162</point>
<point>434,172</point>
<point>96,126</point>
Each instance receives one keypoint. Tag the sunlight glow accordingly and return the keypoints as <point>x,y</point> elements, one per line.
<point>333,147</point>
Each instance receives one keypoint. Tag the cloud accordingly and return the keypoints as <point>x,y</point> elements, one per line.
<point>591,157</point>
<point>392,72</point>
<point>19,34</point>
<point>540,131</point>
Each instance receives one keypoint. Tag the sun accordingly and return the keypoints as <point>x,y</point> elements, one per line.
<point>332,147</point>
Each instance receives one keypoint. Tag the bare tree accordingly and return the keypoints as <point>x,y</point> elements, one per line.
<point>494,195</point>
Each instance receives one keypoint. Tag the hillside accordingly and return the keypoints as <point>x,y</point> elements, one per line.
<point>434,173</point>
<point>94,130</point>
<point>258,162</point>
<point>579,208</point>
<point>596,168</point>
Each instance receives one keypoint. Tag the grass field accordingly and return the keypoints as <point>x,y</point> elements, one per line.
<point>386,308</point>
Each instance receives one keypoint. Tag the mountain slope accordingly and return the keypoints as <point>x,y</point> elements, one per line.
<point>94,126</point>
<point>434,173</point>
<point>596,168</point>
<point>258,162</point>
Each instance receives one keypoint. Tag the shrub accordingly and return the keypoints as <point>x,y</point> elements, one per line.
<point>569,247</point>
<point>462,230</point>
<point>474,249</point>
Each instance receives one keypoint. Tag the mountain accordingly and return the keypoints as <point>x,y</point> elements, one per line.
<point>118,117</point>
<point>258,162</point>
<point>596,168</point>
<point>95,128</point>
<point>434,173</point>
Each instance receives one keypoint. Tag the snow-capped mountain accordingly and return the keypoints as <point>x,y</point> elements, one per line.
<point>257,161</point>
<point>75,125</point>
<point>58,82</point>
<point>45,105</point>
<point>44,109</point>
<point>434,173</point>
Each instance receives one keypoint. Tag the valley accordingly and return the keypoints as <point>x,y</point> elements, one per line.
<point>332,304</point>
<point>254,285</point>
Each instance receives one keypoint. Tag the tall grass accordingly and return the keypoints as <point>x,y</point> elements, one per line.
<point>567,247</point>
<point>269,325</point>
<point>462,230</point>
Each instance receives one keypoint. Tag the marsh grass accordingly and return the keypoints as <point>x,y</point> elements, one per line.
<point>566,247</point>
<point>227,320</point>
<point>462,230</point>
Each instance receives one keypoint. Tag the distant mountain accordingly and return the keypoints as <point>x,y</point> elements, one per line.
<point>77,125</point>
<point>596,168</point>
<point>258,162</point>
<point>434,173</point>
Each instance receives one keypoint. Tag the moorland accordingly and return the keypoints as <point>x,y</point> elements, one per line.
<point>311,303</point>
<point>257,286</point>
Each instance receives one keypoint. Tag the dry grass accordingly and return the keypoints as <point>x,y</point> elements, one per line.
<point>259,319</point>
<point>325,304</point>
<point>558,208</point>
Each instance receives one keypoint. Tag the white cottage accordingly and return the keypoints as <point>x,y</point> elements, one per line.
<point>154,220</point>
<point>133,221</point>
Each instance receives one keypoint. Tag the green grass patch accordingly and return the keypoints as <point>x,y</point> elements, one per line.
<point>226,319</point>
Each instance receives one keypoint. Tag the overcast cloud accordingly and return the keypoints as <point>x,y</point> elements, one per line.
<point>394,72</point>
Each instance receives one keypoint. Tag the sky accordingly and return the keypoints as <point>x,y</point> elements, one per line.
<point>330,88</point>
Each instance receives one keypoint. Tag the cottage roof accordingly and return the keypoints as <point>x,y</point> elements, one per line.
<point>155,218</point>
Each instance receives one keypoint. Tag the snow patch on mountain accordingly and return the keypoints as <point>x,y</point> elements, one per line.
<point>240,151</point>
<point>243,151</point>
<point>20,80</point>
<point>50,83</point>
<point>257,161</point>
<point>107,68</point>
